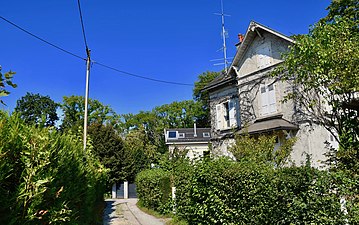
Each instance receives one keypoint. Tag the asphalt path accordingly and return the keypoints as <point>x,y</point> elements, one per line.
<point>125,212</point>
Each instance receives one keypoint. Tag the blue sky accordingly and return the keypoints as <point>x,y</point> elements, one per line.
<point>167,40</point>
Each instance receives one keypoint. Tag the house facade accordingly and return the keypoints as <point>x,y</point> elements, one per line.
<point>249,99</point>
<point>194,141</point>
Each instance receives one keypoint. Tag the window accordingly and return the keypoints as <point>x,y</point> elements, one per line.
<point>267,99</point>
<point>172,134</point>
<point>227,114</point>
<point>181,135</point>
<point>206,134</point>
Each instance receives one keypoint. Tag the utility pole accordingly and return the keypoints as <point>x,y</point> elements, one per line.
<point>88,66</point>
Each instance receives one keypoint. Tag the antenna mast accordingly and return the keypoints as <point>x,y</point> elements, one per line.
<point>224,36</point>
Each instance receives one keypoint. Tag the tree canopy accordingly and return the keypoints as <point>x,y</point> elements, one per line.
<point>37,109</point>
<point>323,68</point>
<point>73,108</point>
<point>203,97</point>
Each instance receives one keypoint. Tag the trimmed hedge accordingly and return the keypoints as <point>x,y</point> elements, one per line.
<point>226,192</point>
<point>154,190</point>
<point>223,191</point>
<point>44,176</point>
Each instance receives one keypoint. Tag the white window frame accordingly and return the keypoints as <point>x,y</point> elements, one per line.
<point>206,134</point>
<point>268,100</point>
<point>227,114</point>
<point>172,138</point>
<point>181,135</point>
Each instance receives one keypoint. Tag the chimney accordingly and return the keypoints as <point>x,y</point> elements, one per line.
<point>195,130</point>
<point>241,38</point>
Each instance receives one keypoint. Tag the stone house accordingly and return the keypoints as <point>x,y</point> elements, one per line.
<point>248,99</point>
<point>195,141</point>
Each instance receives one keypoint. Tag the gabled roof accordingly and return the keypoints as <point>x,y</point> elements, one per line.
<point>253,30</point>
<point>189,135</point>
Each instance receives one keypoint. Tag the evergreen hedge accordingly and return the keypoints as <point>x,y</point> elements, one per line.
<point>45,177</point>
<point>154,190</point>
<point>223,191</point>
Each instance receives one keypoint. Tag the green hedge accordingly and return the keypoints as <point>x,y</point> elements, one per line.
<point>154,190</point>
<point>44,176</point>
<point>226,192</point>
<point>223,191</point>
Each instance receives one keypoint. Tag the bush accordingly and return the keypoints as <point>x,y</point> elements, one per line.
<point>45,177</point>
<point>222,191</point>
<point>154,190</point>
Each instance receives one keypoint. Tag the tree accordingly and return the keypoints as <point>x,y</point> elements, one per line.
<point>323,68</point>
<point>179,114</point>
<point>37,109</point>
<point>203,96</point>
<point>342,8</point>
<point>142,152</point>
<point>73,108</point>
<point>108,146</point>
<point>5,80</point>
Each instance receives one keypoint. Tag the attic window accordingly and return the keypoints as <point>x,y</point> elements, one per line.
<point>181,135</point>
<point>206,134</point>
<point>172,134</point>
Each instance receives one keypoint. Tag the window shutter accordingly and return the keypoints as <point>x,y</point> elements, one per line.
<point>264,100</point>
<point>219,116</point>
<point>233,112</point>
<point>271,99</point>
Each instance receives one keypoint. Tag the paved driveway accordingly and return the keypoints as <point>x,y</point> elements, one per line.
<point>125,212</point>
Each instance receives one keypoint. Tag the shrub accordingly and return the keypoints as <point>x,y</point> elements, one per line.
<point>222,191</point>
<point>45,177</point>
<point>154,190</point>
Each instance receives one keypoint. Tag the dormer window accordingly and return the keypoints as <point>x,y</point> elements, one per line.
<point>181,135</point>
<point>206,134</point>
<point>172,134</point>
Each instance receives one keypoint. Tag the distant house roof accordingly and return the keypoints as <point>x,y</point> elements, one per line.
<point>186,135</point>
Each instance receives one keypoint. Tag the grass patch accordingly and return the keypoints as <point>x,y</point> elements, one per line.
<point>170,219</point>
<point>176,221</point>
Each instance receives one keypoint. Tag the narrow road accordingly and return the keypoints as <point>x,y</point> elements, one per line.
<point>125,212</point>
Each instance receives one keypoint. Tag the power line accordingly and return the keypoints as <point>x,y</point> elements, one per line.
<point>95,62</point>
<point>83,28</point>
<point>41,39</point>
<point>142,77</point>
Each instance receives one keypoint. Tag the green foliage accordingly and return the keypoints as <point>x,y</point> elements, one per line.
<point>5,80</point>
<point>37,109</point>
<point>203,97</point>
<point>45,178</point>
<point>343,8</point>
<point>108,146</point>
<point>74,107</point>
<point>261,149</point>
<point>226,192</point>
<point>141,153</point>
<point>323,67</point>
<point>154,190</point>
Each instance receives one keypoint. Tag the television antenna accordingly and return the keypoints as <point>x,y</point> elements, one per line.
<point>224,35</point>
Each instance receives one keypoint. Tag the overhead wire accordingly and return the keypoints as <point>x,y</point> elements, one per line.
<point>139,76</point>
<point>41,39</point>
<point>95,62</point>
<point>83,28</point>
